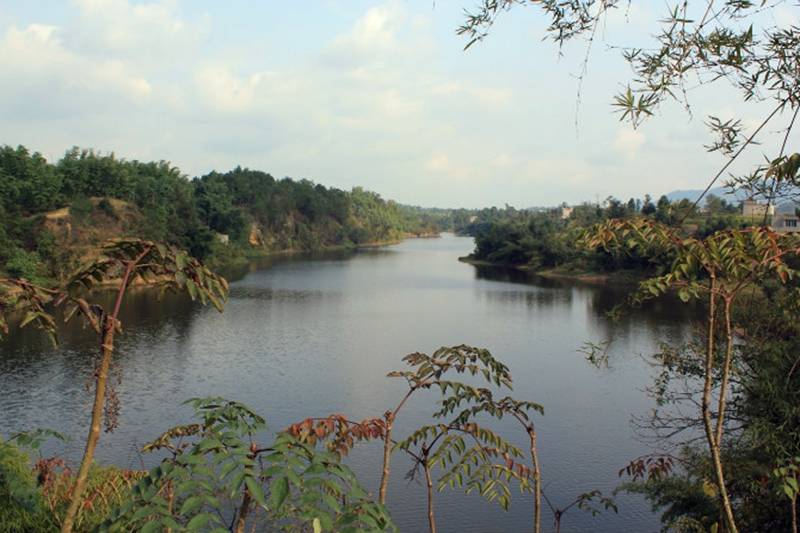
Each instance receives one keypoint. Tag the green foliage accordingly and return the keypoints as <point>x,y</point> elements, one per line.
<point>217,477</point>
<point>21,504</point>
<point>543,239</point>
<point>24,265</point>
<point>164,205</point>
<point>687,504</point>
<point>28,184</point>
<point>427,370</point>
<point>787,475</point>
<point>34,498</point>
<point>741,266</point>
<point>470,456</point>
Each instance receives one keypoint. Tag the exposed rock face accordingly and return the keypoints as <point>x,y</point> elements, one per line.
<point>256,237</point>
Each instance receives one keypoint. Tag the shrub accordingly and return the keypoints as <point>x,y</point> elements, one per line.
<point>22,264</point>
<point>21,504</point>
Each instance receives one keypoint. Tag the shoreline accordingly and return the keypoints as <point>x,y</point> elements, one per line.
<point>227,268</point>
<point>255,253</point>
<point>626,277</point>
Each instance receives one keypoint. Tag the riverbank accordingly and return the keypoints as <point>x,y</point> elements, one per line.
<point>231,264</point>
<point>620,277</point>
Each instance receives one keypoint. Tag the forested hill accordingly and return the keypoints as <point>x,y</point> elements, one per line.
<point>55,214</point>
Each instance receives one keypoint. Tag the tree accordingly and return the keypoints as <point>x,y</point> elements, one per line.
<point>720,269</point>
<point>123,261</point>
<point>28,184</point>
<point>647,207</point>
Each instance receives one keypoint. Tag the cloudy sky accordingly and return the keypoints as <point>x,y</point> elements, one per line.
<point>372,93</point>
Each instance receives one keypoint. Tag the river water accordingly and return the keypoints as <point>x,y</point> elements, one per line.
<point>310,336</point>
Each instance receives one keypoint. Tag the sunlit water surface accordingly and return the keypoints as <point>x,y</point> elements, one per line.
<point>316,335</point>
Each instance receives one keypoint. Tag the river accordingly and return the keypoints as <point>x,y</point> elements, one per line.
<point>310,336</point>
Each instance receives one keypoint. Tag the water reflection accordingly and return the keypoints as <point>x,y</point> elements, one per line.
<point>515,275</point>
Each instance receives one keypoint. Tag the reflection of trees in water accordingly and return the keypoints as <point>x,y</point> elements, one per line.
<point>662,319</point>
<point>533,299</point>
<point>541,294</point>
<point>666,319</point>
<point>236,273</point>
<point>45,385</point>
<point>146,321</point>
<point>284,295</point>
<point>514,275</point>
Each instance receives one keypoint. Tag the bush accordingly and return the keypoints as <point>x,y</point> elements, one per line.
<point>22,264</point>
<point>21,504</point>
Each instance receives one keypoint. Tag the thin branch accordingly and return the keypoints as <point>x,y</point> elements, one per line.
<point>732,159</point>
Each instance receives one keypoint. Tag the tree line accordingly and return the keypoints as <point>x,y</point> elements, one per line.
<point>545,238</point>
<point>216,217</point>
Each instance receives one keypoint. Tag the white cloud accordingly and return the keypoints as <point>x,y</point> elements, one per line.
<point>36,57</point>
<point>629,141</point>
<point>388,101</point>
<point>376,29</point>
<point>147,34</point>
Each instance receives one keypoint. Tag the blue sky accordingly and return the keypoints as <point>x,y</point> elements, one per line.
<point>371,93</point>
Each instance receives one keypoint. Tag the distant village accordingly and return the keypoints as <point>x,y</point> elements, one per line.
<point>781,221</point>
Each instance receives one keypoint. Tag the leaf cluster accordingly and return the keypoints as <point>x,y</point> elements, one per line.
<point>217,475</point>
<point>341,432</point>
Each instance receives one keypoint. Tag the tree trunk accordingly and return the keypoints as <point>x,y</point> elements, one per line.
<point>387,445</point>
<point>793,504</point>
<point>429,483</point>
<point>106,351</point>
<point>243,511</point>
<point>387,454</point>
<point>713,444</point>
<point>726,371</point>
<point>94,427</point>
<point>537,482</point>
<point>170,502</point>
<point>244,508</point>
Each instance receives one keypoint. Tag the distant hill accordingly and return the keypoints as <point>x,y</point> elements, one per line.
<point>693,194</point>
<point>723,192</point>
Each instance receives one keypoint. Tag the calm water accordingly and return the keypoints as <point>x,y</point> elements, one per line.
<point>312,336</point>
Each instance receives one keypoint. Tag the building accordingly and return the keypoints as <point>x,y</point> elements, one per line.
<point>754,209</point>
<point>566,212</point>
<point>785,223</point>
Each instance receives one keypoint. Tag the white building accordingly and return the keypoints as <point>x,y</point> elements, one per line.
<point>754,209</point>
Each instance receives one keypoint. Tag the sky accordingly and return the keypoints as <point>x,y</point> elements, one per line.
<point>378,94</point>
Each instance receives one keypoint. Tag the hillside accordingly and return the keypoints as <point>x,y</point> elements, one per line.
<point>55,215</point>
